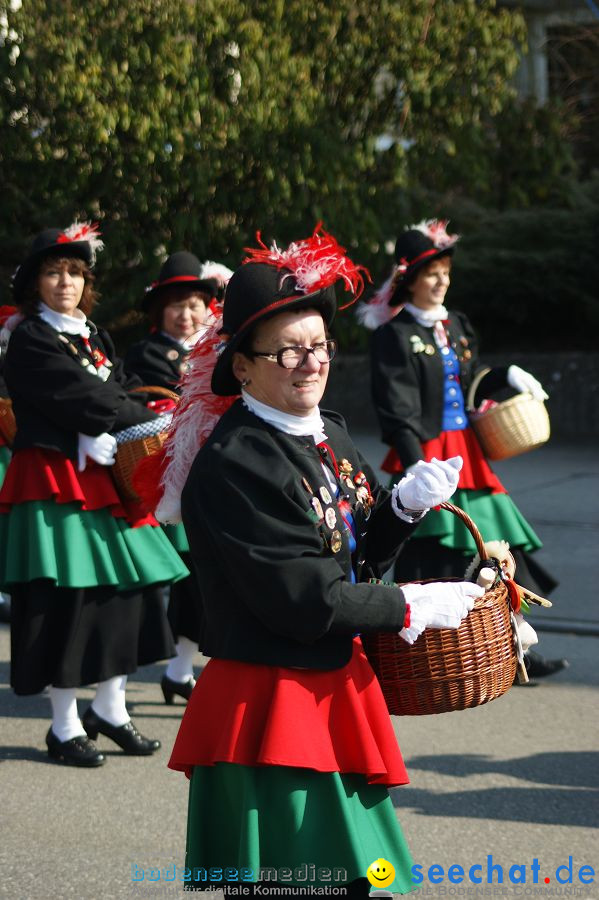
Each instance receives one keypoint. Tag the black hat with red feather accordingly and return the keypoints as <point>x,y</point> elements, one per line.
<point>80,240</point>
<point>271,281</point>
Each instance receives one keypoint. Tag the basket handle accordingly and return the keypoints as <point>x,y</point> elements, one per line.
<point>156,389</point>
<point>465,518</point>
<point>474,387</point>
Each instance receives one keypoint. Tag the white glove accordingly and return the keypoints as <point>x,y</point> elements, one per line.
<point>101,449</point>
<point>429,483</point>
<point>438,605</point>
<point>523,381</point>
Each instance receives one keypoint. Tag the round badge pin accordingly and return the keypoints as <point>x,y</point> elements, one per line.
<point>317,507</point>
<point>336,542</point>
<point>330,517</point>
<point>324,495</point>
<point>172,354</point>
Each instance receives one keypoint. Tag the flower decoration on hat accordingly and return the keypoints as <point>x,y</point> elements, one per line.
<point>315,263</point>
<point>83,231</point>
<point>436,230</point>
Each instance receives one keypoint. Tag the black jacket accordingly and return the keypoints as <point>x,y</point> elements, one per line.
<point>157,360</point>
<point>273,589</point>
<point>407,383</point>
<point>53,395</point>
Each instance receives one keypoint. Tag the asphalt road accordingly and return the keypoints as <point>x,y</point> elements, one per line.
<point>515,780</point>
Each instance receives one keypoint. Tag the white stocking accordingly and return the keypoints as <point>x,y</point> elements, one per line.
<point>109,702</point>
<point>66,723</point>
<point>180,668</point>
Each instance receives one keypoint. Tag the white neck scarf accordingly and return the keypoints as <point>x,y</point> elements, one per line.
<point>427,317</point>
<point>76,324</point>
<point>299,426</point>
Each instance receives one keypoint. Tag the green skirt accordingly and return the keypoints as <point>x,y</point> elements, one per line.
<point>4,461</point>
<point>78,548</point>
<point>294,826</point>
<point>495,515</point>
<point>177,537</point>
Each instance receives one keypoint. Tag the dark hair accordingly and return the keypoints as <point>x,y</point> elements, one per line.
<point>172,294</point>
<point>30,301</point>
<point>402,292</point>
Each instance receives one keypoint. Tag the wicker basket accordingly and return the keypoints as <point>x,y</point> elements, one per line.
<point>512,427</point>
<point>8,426</point>
<point>449,669</point>
<point>130,453</point>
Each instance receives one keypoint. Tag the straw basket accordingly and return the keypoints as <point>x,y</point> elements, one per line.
<point>137,442</point>
<point>8,426</point>
<point>512,427</point>
<point>449,669</point>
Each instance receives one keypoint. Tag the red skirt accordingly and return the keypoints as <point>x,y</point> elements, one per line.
<point>259,715</point>
<point>40,474</point>
<point>476,473</point>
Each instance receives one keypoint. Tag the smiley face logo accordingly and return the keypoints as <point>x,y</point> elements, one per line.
<point>380,873</point>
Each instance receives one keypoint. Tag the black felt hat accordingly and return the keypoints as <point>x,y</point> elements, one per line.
<point>181,269</point>
<point>273,281</point>
<point>80,240</point>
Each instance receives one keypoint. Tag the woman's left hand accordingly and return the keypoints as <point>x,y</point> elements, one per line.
<point>429,483</point>
<point>523,381</point>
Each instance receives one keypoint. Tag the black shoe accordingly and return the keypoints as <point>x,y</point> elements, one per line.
<point>79,751</point>
<point>126,736</point>
<point>539,667</point>
<point>181,689</point>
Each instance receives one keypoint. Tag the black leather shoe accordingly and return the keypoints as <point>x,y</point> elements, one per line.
<point>181,689</point>
<point>79,751</point>
<point>539,667</point>
<point>126,736</point>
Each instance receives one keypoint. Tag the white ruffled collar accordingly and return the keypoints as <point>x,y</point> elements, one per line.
<point>76,324</point>
<point>298,426</point>
<point>427,317</point>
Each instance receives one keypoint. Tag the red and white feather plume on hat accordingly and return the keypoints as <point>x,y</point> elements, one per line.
<point>314,263</point>
<point>436,230</point>
<point>159,479</point>
<point>83,231</point>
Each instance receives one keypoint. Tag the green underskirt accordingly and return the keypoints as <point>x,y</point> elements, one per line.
<point>80,549</point>
<point>495,515</point>
<point>177,537</point>
<point>4,461</point>
<point>282,817</point>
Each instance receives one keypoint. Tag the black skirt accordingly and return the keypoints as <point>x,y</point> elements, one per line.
<point>185,612</point>
<point>69,637</point>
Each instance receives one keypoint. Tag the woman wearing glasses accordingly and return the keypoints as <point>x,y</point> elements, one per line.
<point>286,737</point>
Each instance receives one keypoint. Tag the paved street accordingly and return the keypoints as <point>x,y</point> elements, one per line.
<point>516,779</point>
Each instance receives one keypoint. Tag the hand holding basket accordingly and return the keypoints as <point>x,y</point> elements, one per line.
<point>449,669</point>
<point>139,441</point>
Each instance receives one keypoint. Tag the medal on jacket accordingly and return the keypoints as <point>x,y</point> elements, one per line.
<point>336,542</point>
<point>363,492</point>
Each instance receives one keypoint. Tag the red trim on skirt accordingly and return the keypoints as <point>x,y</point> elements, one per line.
<point>39,474</point>
<point>476,473</point>
<point>259,715</point>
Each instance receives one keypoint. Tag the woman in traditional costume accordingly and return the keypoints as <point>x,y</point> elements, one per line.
<point>286,738</point>
<point>424,358</point>
<point>84,571</point>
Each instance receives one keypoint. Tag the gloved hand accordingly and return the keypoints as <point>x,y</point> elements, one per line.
<point>101,449</point>
<point>523,381</point>
<point>429,483</point>
<point>438,605</point>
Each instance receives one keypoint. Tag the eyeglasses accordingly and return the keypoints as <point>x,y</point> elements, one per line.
<point>296,357</point>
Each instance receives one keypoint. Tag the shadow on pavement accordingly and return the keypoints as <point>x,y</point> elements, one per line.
<point>541,806</point>
<point>578,768</point>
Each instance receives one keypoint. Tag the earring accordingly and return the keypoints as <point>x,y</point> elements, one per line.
<point>245,382</point>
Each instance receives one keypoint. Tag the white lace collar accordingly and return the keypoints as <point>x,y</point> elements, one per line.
<point>298,426</point>
<point>427,317</point>
<point>76,324</point>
